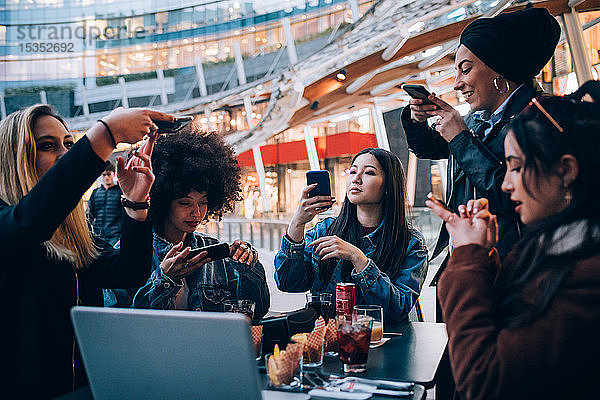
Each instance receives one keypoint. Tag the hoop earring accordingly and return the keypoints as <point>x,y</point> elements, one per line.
<point>506,85</point>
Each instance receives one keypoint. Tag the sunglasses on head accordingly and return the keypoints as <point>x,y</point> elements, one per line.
<point>536,103</point>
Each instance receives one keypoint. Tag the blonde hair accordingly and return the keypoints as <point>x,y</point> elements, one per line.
<point>72,241</point>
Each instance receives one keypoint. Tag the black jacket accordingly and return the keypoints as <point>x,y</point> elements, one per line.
<point>36,293</point>
<point>475,167</point>
<point>105,212</point>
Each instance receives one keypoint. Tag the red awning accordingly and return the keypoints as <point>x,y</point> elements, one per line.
<point>338,145</point>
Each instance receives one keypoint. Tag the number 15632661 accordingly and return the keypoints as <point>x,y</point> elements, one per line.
<point>46,47</point>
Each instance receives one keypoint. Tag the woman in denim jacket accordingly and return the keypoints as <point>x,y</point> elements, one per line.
<point>370,243</point>
<point>197,177</point>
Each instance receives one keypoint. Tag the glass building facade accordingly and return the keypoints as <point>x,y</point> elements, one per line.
<point>61,41</point>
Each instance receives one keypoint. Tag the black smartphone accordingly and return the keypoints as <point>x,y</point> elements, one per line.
<point>215,251</point>
<point>171,127</point>
<point>418,92</point>
<point>321,178</point>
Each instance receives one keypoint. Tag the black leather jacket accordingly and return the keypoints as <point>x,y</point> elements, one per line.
<point>476,166</point>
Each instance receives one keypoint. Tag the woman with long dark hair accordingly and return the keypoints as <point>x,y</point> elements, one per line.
<point>370,243</point>
<point>528,328</point>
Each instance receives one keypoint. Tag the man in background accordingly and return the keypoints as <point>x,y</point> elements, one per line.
<point>104,207</point>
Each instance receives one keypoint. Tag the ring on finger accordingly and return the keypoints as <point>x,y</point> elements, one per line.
<point>186,265</point>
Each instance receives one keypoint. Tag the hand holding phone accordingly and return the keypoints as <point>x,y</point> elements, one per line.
<point>172,127</point>
<point>321,178</point>
<point>215,251</point>
<point>418,92</point>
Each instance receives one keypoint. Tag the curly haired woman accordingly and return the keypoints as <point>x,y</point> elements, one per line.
<point>197,178</point>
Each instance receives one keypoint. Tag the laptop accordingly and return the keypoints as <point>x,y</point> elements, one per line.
<point>156,354</point>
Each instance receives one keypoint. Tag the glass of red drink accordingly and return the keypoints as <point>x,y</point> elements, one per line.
<point>321,303</point>
<point>245,307</point>
<point>354,338</point>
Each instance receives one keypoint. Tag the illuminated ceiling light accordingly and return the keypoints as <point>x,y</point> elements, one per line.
<point>341,75</point>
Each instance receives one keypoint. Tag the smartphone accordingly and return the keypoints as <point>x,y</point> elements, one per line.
<point>171,127</point>
<point>321,178</point>
<point>215,251</point>
<point>418,92</point>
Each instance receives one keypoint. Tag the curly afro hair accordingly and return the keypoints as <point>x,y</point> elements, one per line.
<point>194,160</point>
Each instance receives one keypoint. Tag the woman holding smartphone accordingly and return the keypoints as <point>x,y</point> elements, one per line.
<point>50,260</point>
<point>497,88</point>
<point>197,178</point>
<point>370,243</point>
<point>528,327</point>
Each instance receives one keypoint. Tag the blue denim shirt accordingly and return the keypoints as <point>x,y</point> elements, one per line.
<point>297,270</point>
<point>208,286</point>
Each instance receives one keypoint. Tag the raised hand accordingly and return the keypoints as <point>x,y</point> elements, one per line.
<point>327,247</point>
<point>451,123</point>
<point>480,228</point>
<point>308,208</point>
<point>176,267</point>
<point>136,178</point>
<point>420,111</point>
<point>241,252</point>
<point>130,125</point>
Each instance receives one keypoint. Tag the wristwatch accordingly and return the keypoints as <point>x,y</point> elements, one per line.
<point>135,205</point>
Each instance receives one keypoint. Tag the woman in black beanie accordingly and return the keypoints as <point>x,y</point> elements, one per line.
<point>495,65</point>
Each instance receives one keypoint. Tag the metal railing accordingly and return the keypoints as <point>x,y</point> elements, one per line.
<point>262,233</point>
<point>267,233</point>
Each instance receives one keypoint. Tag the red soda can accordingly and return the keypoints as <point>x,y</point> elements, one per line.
<point>345,298</point>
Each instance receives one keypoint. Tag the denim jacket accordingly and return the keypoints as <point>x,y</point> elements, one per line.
<point>208,286</point>
<point>297,270</point>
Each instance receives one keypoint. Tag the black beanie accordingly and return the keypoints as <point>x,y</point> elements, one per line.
<point>516,45</point>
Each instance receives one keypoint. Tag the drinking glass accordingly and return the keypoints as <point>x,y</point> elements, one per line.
<point>284,369</point>
<point>245,307</point>
<point>313,354</point>
<point>376,312</point>
<point>354,337</point>
<point>320,302</point>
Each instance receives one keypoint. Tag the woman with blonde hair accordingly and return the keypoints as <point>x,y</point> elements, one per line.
<point>50,260</point>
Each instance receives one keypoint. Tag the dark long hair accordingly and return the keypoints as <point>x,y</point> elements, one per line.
<point>543,145</point>
<point>395,233</point>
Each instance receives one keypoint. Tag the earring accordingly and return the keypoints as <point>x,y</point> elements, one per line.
<point>500,90</point>
<point>568,196</point>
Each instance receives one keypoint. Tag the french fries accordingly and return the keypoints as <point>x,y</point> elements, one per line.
<point>284,364</point>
